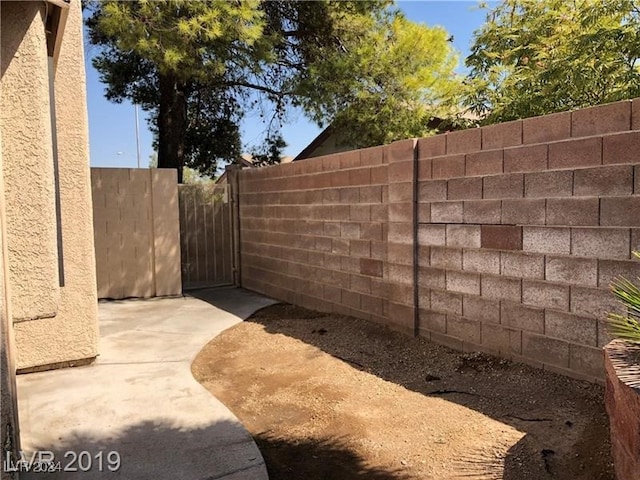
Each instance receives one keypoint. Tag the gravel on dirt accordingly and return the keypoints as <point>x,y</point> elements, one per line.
<point>333,397</point>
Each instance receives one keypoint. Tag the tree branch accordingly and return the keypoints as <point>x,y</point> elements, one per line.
<point>293,33</point>
<point>260,88</point>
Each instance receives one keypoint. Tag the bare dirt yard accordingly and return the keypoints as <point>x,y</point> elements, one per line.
<point>332,397</point>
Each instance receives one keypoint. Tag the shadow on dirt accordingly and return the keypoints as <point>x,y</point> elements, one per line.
<point>564,420</point>
<point>158,450</point>
<point>324,459</point>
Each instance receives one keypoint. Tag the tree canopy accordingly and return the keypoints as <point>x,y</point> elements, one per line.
<point>537,57</point>
<point>397,78</point>
<point>200,66</point>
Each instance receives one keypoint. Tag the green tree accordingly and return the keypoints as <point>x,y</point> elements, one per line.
<point>171,58</point>
<point>199,66</point>
<point>398,76</point>
<point>537,57</point>
<point>189,175</point>
<point>270,153</point>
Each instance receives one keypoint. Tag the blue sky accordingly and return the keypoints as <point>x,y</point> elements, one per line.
<point>112,126</point>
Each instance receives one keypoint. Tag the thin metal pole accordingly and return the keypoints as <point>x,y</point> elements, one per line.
<point>137,133</point>
<point>416,243</point>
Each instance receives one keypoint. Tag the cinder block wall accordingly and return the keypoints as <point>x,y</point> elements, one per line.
<point>314,232</point>
<point>401,277</point>
<point>517,231</point>
<point>136,229</point>
<point>523,226</point>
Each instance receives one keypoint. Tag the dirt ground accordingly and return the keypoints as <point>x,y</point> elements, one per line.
<point>332,397</point>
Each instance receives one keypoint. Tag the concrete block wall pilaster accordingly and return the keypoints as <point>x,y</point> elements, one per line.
<point>401,241</point>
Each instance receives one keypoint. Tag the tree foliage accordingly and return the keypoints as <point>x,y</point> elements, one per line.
<point>536,57</point>
<point>270,153</point>
<point>190,176</point>
<point>398,76</point>
<point>200,66</point>
<point>172,57</point>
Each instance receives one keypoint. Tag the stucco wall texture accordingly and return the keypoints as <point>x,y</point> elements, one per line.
<point>137,232</point>
<point>54,322</point>
<point>9,434</point>
<point>75,324</point>
<point>28,165</point>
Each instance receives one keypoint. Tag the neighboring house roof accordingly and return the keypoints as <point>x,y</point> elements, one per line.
<point>327,143</point>
<point>246,160</point>
<point>324,142</point>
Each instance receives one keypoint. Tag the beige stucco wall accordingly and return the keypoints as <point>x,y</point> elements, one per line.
<point>9,431</point>
<point>28,165</point>
<point>75,325</point>
<point>53,325</point>
<point>137,232</point>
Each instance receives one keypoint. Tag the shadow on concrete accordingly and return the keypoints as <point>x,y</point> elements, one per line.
<point>564,421</point>
<point>237,301</point>
<point>326,459</point>
<point>156,462</point>
<point>140,397</point>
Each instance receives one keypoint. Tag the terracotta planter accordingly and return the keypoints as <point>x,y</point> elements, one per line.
<point>622,399</point>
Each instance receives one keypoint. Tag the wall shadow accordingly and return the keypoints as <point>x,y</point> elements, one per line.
<point>564,421</point>
<point>236,301</point>
<point>15,33</point>
<point>317,459</point>
<point>157,450</point>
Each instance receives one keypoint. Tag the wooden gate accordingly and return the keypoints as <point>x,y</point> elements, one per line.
<point>207,235</point>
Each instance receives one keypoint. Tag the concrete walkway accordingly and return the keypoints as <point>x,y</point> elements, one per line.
<point>140,400</point>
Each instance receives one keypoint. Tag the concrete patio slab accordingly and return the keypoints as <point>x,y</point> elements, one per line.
<point>140,400</point>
